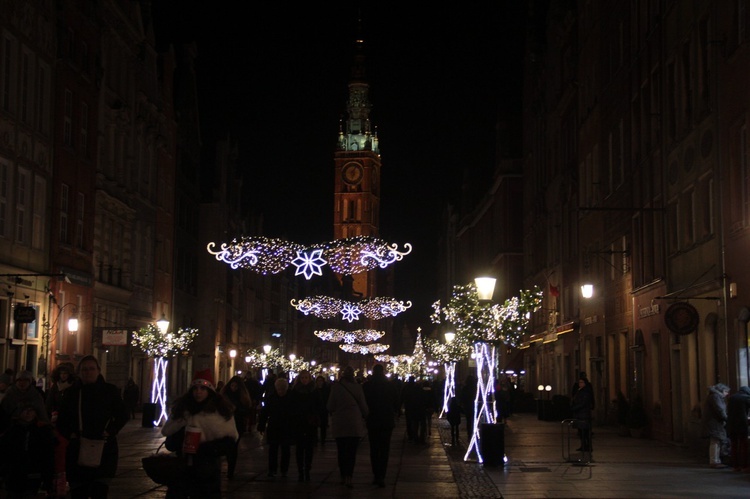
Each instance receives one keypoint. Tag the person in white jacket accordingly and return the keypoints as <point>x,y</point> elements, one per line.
<point>203,421</point>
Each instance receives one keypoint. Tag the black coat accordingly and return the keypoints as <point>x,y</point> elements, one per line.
<point>306,405</point>
<point>277,418</point>
<point>103,410</point>
<point>738,408</point>
<point>27,449</point>
<point>383,402</point>
<point>583,404</point>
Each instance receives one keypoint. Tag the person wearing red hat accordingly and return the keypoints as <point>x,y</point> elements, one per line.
<point>206,420</point>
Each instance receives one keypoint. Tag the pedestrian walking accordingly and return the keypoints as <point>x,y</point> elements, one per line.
<point>63,377</point>
<point>714,424</point>
<point>323,388</point>
<point>348,409</point>
<point>582,406</point>
<point>91,415</point>
<point>306,409</point>
<point>738,410</point>
<point>414,408</point>
<point>28,458</point>
<point>236,393</point>
<point>203,420</point>
<point>383,404</point>
<point>131,396</point>
<point>276,420</point>
<point>23,392</point>
<point>454,418</point>
<point>467,395</point>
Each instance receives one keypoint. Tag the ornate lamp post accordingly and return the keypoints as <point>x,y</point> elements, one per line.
<point>156,341</point>
<point>485,326</point>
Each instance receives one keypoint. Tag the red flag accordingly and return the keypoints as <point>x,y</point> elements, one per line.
<point>554,290</point>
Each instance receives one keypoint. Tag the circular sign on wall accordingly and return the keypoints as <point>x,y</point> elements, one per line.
<point>681,318</point>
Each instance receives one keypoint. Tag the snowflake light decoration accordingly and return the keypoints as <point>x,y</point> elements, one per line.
<point>359,335</point>
<point>309,264</point>
<point>350,312</point>
<point>344,256</point>
<point>327,307</point>
<point>364,349</point>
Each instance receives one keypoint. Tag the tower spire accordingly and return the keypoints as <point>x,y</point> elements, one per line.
<point>358,134</point>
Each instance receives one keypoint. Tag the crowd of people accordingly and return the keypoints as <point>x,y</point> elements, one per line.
<point>65,438</point>
<point>59,431</point>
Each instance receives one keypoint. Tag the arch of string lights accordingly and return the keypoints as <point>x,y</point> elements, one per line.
<point>326,307</point>
<point>347,256</point>
<point>364,349</point>
<point>357,336</point>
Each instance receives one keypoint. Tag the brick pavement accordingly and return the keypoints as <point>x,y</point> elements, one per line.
<point>622,467</point>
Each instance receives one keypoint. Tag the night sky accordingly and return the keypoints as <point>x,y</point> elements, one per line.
<point>274,75</point>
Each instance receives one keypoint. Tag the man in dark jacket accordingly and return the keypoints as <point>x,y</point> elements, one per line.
<point>738,408</point>
<point>383,402</point>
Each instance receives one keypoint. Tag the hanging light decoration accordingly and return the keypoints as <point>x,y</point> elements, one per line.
<point>344,256</point>
<point>364,349</point>
<point>327,307</point>
<point>357,336</point>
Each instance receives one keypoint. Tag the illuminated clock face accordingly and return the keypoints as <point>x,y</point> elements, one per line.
<point>352,173</point>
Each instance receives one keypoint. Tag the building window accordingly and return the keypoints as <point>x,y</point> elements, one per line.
<point>85,129</point>
<point>22,206</point>
<point>37,227</point>
<point>42,101</point>
<point>9,73</point>
<point>68,118</point>
<point>64,206</point>
<point>4,186</point>
<point>25,87</point>
<point>80,211</point>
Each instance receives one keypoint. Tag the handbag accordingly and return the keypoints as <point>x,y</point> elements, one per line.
<point>164,468</point>
<point>90,450</point>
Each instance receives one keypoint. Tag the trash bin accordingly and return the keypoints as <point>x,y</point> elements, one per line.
<point>492,443</point>
<point>149,414</point>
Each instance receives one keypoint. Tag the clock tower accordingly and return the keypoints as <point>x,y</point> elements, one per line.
<point>356,209</point>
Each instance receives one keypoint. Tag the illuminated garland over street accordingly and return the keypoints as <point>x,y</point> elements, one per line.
<point>345,256</point>
<point>357,336</point>
<point>326,307</point>
<point>162,346</point>
<point>364,349</point>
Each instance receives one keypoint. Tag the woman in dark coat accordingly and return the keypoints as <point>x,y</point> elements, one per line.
<point>738,408</point>
<point>102,415</point>
<point>277,420</point>
<point>383,403</point>
<point>236,392</point>
<point>581,408</point>
<point>306,410</point>
<point>323,389</point>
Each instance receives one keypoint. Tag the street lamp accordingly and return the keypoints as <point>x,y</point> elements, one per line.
<point>267,349</point>
<point>163,324</point>
<point>587,290</point>
<point>449,337</point>
<point>485,287</point>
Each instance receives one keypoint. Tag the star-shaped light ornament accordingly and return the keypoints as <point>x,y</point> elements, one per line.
<point>309,264</point>
<point>350,312</point>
